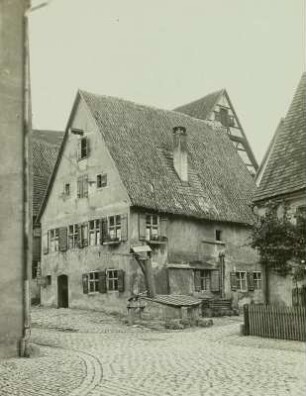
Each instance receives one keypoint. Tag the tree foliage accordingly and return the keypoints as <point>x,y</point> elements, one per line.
<point>280,242</point>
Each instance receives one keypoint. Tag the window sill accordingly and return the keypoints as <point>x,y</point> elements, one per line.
<point>112,242</point>
<point>156,242</point>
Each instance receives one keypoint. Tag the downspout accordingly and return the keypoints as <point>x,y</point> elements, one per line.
<point>27,190</point>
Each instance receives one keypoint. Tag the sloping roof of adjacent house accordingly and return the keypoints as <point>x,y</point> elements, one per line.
<point>201,108</point>
<point>45,149</point>
<point>140,141</point>
<point>285,170</point>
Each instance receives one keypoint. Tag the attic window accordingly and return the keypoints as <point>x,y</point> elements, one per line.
<point>67,189</point>
<point>83,148</point>
<point>218,235</point>
<point>101,180</point>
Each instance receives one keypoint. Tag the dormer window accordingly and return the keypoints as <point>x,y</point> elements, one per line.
<point>83,148</point>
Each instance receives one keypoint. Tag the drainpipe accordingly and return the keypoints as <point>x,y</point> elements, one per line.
<point>150,276</point>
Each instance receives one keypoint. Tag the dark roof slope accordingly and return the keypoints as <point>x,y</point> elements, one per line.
<point>286,168</point>
<point>45,149</point>
<point>201,108</point>
<point>139,139</point>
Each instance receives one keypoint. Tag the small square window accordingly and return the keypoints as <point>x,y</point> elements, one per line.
<point>101,180</point>
<point>218,235</point>
<point>67,189</point>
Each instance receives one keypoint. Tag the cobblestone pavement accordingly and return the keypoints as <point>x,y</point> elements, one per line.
<point>89,353</point>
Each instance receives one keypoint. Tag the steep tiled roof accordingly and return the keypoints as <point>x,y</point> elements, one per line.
<point>201,108</point>
<point>139,139</point>
<point>45,150</point>
<point>285,171</point>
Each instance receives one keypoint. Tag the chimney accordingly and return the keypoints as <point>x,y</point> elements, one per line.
<point>180,160</point>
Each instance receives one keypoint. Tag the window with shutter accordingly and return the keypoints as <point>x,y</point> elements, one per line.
<point>63,239</point>
<point>84,233</point>
<point>73,236</point>
<point>233,278</point>
<point>241,280</point>
<point>102,282</point>
<point>112,280</point>
<point>215,280</point>
<point>250,280</point>
<point>257,280</point>
<point>85,283</point>
<point>163,223</point>
<point>142,226</point>
<point>45,243</point>
<point>120,280</point>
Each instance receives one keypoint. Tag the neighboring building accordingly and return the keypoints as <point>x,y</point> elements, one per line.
<point>132,178</point>
<point>12,182</point>
<point>45,148</point>
<point>217,109</point>
<point>282,178</point>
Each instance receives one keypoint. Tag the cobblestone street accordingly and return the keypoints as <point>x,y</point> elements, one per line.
<point>90,353</point>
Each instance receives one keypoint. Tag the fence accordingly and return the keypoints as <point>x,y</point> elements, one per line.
<point>299,297</point>
<point>286,323</point>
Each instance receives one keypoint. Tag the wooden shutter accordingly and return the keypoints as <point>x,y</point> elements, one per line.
<point>62,239</point>
<point>233,278</point>
<point>85,283</point>
<point>102,282</point>
<point>121,280</point>
<point>85,234</point>
<point>45,243</point>
<point>79,148</point>
<point>124,228</point>
<point>79,187</point>
<point>215,280</point>
<point>250,280</point>
<point>163,223</point>
<point>197,280</point>
<point>85,186</point>
<point>103,230</point>
<point>87,147</point>
<point>142,226</point>
<point>80,239</point>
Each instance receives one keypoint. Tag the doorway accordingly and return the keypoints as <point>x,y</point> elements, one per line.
<point>62,290</point>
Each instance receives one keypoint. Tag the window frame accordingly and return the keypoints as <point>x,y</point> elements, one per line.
<point>93,279</point>
<point>54,239</point>
<point>257,281</point>
<point>101,180</point>
<point>151,226</point>
<point>114,230</point>
<point>240,280</point>
<point>73,237</point>
<point>94,232</point>
<point>112,280</point>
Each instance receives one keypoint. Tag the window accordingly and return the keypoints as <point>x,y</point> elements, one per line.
<point>300,216</point>
<point>73,236</point>
<point>101,180</point>
<point>218,235</point>
<point>54,234</point>
<point>112,280</point>
<point>82,186</point>
<point>93,281</point>
<point>67,189</point>
<point>35,270</point>
<point>114,227</point>
<point>241,280</point>
<point>94,232</point>
<point>48,280</point>
<point>83,147</point>
<point>257,280</point>
<point>152,224</point>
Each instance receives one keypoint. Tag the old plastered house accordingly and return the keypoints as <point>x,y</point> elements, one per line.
<point>129,175</point>
<point>217,109</point>
<point>45,147</point>
<point>282,179</point>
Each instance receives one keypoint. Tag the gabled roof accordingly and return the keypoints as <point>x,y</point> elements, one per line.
<point>201,108</point>
<point>45,147</point>
<point>285,170</point>
<point>139,139</point>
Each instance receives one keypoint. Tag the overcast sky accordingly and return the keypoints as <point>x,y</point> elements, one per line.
<point>167,53</point>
